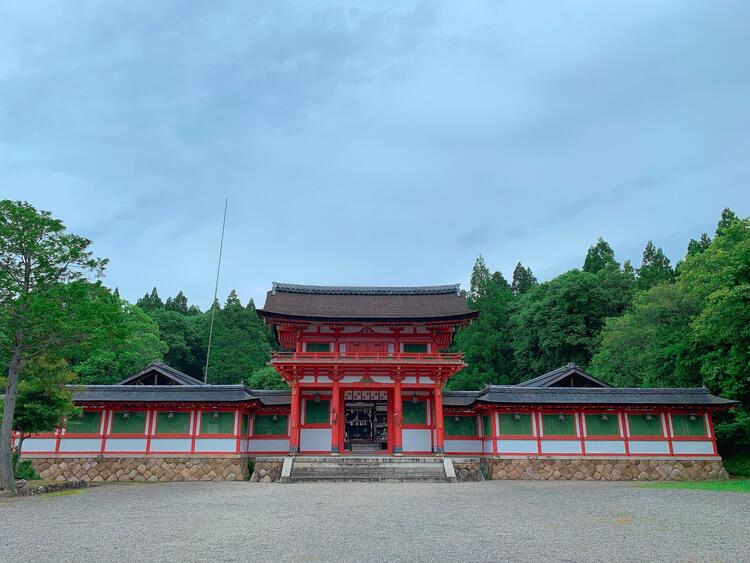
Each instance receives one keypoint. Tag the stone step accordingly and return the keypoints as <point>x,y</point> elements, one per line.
<point>369,478</point>
<point>367,471</point>
<point>362,468</point>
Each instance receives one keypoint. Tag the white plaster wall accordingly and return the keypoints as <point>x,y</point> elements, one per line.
<point>605,447</point>
<point>268,445</point>
<point>516,446</point>
<point>463,446</point>
<point>648,447</point>
<point>38,445</point>
<point>416,440</point>
<point>315,440</point>
<point>215,444</point>
<point>80,444</point>
<point>690,447</point>
<point>125,445</point>
<point>561,446</point>
<point>487,446</point>
<point>170,444</point>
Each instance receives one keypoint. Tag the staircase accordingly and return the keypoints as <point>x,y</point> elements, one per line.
<point>368,468</point>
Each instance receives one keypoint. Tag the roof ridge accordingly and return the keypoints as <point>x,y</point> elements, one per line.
<point>366,290</point>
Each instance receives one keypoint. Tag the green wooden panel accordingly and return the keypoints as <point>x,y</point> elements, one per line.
<point>688,425</point>
<point>640,425</point>
<point>597,426</point>
<point>415,348</point>
<point>415,412</point>
<point>554,425</point>
<point>245,423</point>
<point>318,347</point>
<point>487,424</point>
<point>265,425</point>
<point>217,422</point>
<point>89,423</point>
<point>464,426</point>
<point>129,422</point>
<point>316,412</point>
<point>179,423</point>
<point>509,426</point>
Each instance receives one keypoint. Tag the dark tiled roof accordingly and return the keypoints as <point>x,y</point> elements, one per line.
<point>550,378</point>
<point>460,398</point>
<point>511,394</point>
<point>169,372</point>
<point>273,397</point>
<point>160,393</point>
<point>366,303</point>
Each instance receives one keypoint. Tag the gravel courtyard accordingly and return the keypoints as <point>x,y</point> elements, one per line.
<point>498,520</point>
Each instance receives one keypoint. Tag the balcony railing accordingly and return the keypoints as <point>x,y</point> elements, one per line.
<point>366,358</point>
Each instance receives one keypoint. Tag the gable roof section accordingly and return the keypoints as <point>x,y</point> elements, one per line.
<point>556,378</point>
<point>174,375</point>
<point>315,302</point>
<point>160,393</point>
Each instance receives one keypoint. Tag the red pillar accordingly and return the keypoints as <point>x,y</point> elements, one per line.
<point>397,416</point>
<point>335,416</point>
<point>294,430</point>
<point>439,425</point>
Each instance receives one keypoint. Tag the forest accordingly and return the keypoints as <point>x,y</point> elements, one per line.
<point>651,324</point>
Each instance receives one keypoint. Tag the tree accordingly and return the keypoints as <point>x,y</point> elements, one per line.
<point>44,400</point>
<point>523,279</point>
<point>655,267</point>
<point>728,218</point>
<point>150,301</point>
<point>480,279</point>
<point>186,350</point>
<point>598,256</point>
<point>36,256</point>
<point>698,246</point>
<point>266,377</point>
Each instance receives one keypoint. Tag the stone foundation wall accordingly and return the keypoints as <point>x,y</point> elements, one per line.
<point>267,471</point>
<point>604,469</point>
<point>141,469</point>
<point>467,470</point>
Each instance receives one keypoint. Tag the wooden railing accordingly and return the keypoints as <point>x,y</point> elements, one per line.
<point>366,357</point>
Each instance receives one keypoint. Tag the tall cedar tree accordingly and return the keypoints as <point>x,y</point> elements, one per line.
<point>655,268</point>
<point>523,279</point>
<point>36,256</point>
<point>599,256</point>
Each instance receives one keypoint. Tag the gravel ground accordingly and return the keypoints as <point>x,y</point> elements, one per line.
<point>498,520</point>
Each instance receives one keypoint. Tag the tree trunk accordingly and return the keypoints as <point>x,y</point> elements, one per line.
<point>7,481</point>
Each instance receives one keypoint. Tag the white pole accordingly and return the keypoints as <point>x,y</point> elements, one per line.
<point>216,291</point>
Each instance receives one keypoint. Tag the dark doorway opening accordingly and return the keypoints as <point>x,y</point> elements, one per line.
<point>366,426</point>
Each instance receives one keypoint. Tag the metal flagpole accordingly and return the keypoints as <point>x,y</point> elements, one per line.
<point>216,291</point>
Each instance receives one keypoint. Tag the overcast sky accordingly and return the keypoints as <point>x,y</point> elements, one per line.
<point>383,144</point>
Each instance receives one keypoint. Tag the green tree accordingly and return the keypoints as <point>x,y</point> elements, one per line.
<point>266,377</point>
<point>698,246</point>
<point>480,279</point>
<point>599,256</point>
<point>655,267</point>
<point>186,347</point>
<point>37,255</point>
<point>523,279</point>
<point>728,218</point>
<point>150,301</point>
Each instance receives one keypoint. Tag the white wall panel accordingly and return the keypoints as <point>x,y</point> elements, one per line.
<point>315,440</point>
<point>487,446</point>
<point>605,447</point>
<point>561,446</point>
<point>516,446</point>
<point>416,440</point>
<point>648,447</point>
<point>38,445</point>
<point>215,444</point>
<point>268,445</point>
<point>690,447</point>
<point>463,446</point>
<point>125,445</point>
<point>80,444</point>
<point>170,444</point>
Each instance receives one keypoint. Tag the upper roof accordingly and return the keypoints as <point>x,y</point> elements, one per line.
<point>157,373</point>
<point>569,375</point>
<point>160,393</point>
<point>314,302</point>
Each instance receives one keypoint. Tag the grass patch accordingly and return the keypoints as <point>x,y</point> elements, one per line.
<point>733,486</point>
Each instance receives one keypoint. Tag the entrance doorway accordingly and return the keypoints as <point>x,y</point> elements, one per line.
<point>366,426</point>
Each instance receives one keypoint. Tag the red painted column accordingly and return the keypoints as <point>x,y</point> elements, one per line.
<point>397,415</point>
<point>294,430</point>
<point>439,423</point>
<point>335,416</point>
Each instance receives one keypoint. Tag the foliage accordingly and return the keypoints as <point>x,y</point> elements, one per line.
<point>523,279</point>
<point>266,378</point>
<point>737,465</point>
<point>655,267</point>
<point>598,256</point>
<point>23,469</point>
<point>39,260</point>
<point>733,486</point>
